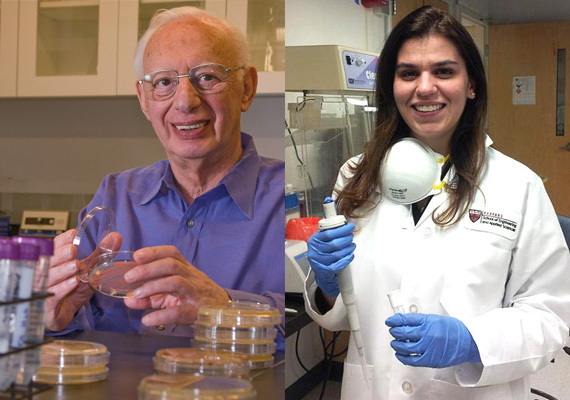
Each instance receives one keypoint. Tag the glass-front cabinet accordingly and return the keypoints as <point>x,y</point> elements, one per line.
<point>86,47</point>
<point>67,48</point>
<point>264,23</point>
<point>8,46</point>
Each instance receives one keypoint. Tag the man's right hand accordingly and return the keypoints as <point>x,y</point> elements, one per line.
<point>69,293</point>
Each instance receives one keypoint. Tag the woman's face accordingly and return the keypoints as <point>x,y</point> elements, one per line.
<point>431,87</point>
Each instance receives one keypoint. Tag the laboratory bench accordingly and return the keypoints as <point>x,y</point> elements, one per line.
<point>131,361</point>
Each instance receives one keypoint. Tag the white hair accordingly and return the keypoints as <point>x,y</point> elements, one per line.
<point>222,26</point>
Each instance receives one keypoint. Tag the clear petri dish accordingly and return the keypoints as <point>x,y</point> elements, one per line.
<point>108,274</point>
<point>259,352</point>
<point>71,375</point>
<point>195,387</point>
<point>93,238</point>
<point>234,332</point>
<point>206,362</point>
<point>72,362</point>
<point>239,313</point>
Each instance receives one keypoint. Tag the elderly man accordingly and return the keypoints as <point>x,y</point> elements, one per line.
<point>208,223</point>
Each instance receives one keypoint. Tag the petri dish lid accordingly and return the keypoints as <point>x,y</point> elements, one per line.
<point>195,387</point>
<point>239,313</point>
<point>107,275</point>
<point>73,354</point>
<point>235,332</point>
<point>96,226</point>
<point>183,360</point>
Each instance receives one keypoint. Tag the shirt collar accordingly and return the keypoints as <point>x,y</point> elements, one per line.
<point>240,181</point>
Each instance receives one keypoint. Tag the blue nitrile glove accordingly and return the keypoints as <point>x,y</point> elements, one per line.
<point>329,252</point>
<point>429,340</point>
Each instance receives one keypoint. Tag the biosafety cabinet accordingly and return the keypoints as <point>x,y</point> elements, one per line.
<point>330,115</point>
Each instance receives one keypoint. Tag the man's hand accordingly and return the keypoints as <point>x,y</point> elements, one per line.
<point>69,293</point>
<point>174,287</point>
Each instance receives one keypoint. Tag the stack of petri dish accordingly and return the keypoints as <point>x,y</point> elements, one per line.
<point>66,362</point>
<point>195,387</point>
<point>241,326</point>
<point>191,361</point>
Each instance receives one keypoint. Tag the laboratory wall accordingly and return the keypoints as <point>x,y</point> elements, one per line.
<point>56,151</point>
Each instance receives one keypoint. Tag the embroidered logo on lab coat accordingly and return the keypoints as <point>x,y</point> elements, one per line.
<point>503,223</point>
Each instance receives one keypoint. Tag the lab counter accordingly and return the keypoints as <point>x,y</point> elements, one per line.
<point>131,360</point>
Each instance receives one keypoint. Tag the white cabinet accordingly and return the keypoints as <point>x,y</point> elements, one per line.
<point>67,47</point>
<point>86,47</point>
<point>8,46</point>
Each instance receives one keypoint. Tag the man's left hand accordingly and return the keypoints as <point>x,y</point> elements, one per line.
<point>173,286</point>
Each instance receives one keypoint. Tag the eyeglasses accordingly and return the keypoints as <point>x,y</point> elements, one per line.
<point>206,78</point>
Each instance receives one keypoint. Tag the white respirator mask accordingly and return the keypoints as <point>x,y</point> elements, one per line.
<point>411,172</point>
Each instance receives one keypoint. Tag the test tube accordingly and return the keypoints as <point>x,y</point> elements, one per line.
<point>9,256</point>
<point>36,323</point>
<point>396,301</point>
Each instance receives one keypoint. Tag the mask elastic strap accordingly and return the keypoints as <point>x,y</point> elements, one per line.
<point>441,161</point>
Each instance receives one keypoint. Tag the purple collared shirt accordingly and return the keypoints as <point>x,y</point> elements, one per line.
<point>234,233</point>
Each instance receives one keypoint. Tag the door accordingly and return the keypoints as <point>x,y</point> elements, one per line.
<point>527,132</point>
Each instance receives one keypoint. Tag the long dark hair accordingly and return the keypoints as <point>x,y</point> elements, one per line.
<point>468,141</point>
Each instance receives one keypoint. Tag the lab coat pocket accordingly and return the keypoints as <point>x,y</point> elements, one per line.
<point>475,279</point>
<point>353,383</point>
<point>439,390</point>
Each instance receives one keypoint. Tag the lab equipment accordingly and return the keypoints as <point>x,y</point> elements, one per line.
<point>240,326</point>
<point>329,96</point>
<point>44,223</point>
<point>430,340</point>
<point>184,360</point>
<point>296,265</point>
<point>396,301</point>
<point>196,387</point>
<point>332,220</point>
<point>66,362</point>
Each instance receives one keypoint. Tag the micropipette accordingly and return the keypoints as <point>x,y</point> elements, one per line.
<point>332,220</point>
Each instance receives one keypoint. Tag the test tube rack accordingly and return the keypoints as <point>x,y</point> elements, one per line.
<point>22,392</point>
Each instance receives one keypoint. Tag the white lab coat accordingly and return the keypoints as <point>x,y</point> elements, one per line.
<point>506,276</point>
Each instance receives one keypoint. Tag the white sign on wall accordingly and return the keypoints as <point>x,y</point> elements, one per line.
<point>524,90</point>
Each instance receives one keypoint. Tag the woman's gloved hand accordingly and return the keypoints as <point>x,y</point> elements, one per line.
<point>329,252</point>
<point>428,340</point>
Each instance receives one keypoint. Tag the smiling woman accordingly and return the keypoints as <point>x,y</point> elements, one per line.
<point>477,254</point>
<point>431,88</point>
